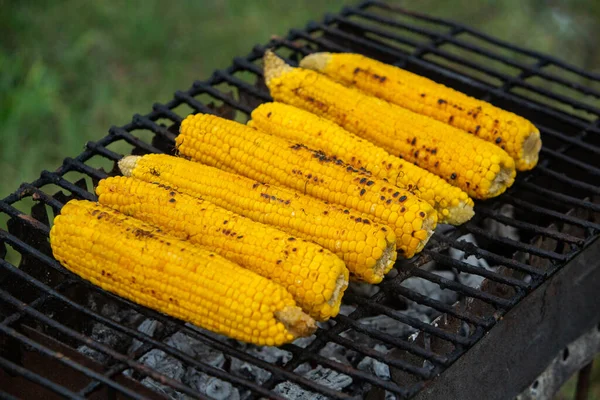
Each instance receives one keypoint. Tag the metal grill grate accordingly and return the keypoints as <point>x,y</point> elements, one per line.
<point>46,311</point>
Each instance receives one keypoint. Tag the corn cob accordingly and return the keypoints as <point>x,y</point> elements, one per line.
<point>314,276</point>
<point>515,134</point>
<point>136,261</point>
<point>234,147</point>
<point>452,204</point>
<point>367,249</point>
<point>476,166</point>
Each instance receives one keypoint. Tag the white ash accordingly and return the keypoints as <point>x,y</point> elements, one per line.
<point>148,327</point>
<point>500,229</point>
<point>392,326</point>
<point>322,376</point>
<point>431,290</point>
<point>468,279</point>
<point>380,369</point>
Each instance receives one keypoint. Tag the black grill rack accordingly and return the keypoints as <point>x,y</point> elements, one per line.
<point>46,311</point>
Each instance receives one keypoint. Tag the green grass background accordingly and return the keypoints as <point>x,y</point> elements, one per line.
<point>70,69</point>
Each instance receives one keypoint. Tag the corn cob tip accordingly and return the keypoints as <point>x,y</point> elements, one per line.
<point>531,151</point>
<point>460,213</point>
<point>503,179</point>
<point>274,66</point>
<point>296,321</point>
<point>127,164</point>
<point>315,61</point>
<point>385,263</point>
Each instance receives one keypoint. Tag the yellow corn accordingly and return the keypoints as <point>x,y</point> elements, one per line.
<point>136,261</point>
<point>515,134</point>
<point>368,249</point>
<point>452,204</point>
<point>474,165</point>
<point>234,147</point>
<point>314,276</point>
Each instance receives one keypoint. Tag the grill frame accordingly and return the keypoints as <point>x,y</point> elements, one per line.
<point>28,233</point>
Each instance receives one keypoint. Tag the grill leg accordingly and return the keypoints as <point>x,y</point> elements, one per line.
<point>583,382</point>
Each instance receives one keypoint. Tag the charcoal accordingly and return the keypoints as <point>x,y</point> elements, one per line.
<point>249,371</point>
<point>392,326</point>
<point>166,365</point>
<point>346,309</point>
<point>273,355</point>
<point>108,336</point>
<point>211,386</point>
<point>304,341</point>
<point>323,376</point>
<point>363,289</point>
<point>334,351</point>
<point>164,390</point>
<point>374,366</point>
<point>468,279</point>
<point>499,229</point>
<point>195,348</point>
<point>148,327</point>
<point>431,290</point>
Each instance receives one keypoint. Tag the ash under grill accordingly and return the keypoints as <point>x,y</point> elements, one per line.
<point>60,336</point>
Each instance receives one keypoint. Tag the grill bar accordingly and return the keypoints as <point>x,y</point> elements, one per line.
<point>38,379</point>
<point>554,223</point>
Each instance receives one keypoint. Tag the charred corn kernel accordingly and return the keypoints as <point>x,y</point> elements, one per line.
<point>232,146</point>
<point>515,134</point>
<point>263,249</point>
<point>291,212</point>
<point>301,126</point>
<point>136,261</point>
<point>439,148</point>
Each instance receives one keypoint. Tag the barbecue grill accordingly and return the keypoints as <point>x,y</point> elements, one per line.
<point>480,313</point>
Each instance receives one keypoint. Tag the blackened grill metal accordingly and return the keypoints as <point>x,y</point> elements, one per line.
<point>556,208</point>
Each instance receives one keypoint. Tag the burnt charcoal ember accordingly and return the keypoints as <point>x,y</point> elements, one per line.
<point>363,289</point>
<point>148,327</point>
<point>105,335</point>
<point>392,326</point>
<point>334,351</point>
<point>210,386</point>
<point>197,349</point>
<point>431,290</point>
<point>249,371</point>
<point>466,278</point>
<point>272,355</point>
<point>381,370</point>
<point>500,229</point>
<point>323,376</point>
<point>304,341</point>
<point>166,365</point>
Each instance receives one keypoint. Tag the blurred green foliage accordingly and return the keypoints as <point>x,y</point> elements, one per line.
<point>70,69</point>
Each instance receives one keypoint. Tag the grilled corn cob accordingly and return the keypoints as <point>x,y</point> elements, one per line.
<point>314,276</point>
<point>237,148</point>
<point>476,166</point>
<point>368,249</point>
<point>134,260</point>
<point>452,204</point>
<point>515,134</point>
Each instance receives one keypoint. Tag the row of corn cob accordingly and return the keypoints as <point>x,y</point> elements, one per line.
<point>338,204</point>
